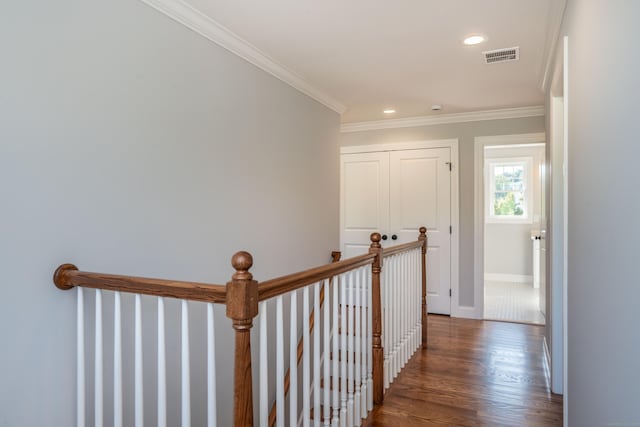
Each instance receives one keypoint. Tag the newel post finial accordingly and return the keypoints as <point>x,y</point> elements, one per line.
<point>423,258</point>
<point>376,312</point>
<point>242,307</point>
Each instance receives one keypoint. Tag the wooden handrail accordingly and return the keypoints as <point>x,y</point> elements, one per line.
<point>401,248</point>
<point>282,285</point>
<point>67,276</point>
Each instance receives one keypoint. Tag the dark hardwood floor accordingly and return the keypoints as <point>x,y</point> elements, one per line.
<point>475,373</point>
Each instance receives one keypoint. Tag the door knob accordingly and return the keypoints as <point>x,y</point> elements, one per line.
<point>394,237</point>
<point>384,237</point>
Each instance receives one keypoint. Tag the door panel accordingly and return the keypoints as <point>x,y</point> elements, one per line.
<point>420,194</point>
<point>364,208</point>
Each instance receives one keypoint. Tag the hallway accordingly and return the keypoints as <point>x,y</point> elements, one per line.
<point>475,373</point>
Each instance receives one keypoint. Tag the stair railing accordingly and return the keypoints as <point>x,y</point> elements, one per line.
<point>352,361</point>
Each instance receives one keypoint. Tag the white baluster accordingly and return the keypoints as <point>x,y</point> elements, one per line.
<point>385,296</point>
<point>350,349</point>
<point>412,305</point>
<point>117,361</point>
<point>343,351</point>
<point>264,369</point>
<point>279,363</point>
<point>401,288</point>
<point>326,334</point>
<point>317,412</point>
<point>335,421</point>
<point>138,390</point>
<point>391,328</point>
<point>396,322</point>
<point>80,371</point>
<point>98,384</point>
<point>162,366</point>
<point>211,369</point>
<point>186,387</point>
<point>306,368</point>
<point>416,298</point>
<point>293,362</point>
<point>369,339</point>
<point>357,307</point>
<point>403,310</point>
<point>363,333</point>
<point>419,297</point>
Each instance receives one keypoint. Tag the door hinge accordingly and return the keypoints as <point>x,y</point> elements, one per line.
<point>448,163</point>
<point>449,293</point>
<point>450,229</point>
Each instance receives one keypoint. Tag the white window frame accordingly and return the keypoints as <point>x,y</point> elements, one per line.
<point>490,164</point>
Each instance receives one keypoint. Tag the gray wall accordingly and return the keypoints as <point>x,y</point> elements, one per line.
<point>604,230</point>
<point>129,144</point>
<point>465,132</point>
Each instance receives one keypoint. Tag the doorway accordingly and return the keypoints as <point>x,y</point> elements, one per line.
<point>513,192</point>
<point>510,227</point>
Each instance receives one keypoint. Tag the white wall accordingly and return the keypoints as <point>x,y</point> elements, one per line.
<point>508,247</point>
<point>603,229</point>
<point>465,132</point>
<point>129,144</point>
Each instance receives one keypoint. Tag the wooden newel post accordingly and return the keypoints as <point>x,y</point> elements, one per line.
<point>378,356</point>
<point>423,238</point>
<point>242,307</point>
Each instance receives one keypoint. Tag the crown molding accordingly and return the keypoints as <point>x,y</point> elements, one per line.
<point>475,116</point>
<point>202,24</point>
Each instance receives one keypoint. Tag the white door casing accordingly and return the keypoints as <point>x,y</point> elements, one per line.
<point>408,206</point>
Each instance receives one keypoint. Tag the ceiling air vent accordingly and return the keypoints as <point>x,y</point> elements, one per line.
<point>502,55</point>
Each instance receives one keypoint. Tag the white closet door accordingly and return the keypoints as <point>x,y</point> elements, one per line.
<point>420,194</point>
<point>364,204</point>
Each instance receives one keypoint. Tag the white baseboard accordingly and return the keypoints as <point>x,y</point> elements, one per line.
<point>466,312</point>
<point>513,278</point>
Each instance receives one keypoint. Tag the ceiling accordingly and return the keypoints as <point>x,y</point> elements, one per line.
<point>407,54</point>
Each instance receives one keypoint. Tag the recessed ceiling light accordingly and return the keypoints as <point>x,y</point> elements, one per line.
<point>436,107</point>
<point>474,39</point>
<point>389,111</point>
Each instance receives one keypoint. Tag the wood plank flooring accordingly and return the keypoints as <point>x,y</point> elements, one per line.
<point>475,373</point>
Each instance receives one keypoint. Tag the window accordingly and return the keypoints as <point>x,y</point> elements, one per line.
<point>509,190</point>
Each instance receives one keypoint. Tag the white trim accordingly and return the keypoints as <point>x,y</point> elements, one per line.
<point>479,145</point>
<point>474,116</point>
<point>535,139</point>
<point>452,144</point>
<point>466,312</point>
<point>565,281</point>
<point>511,278</point>
<point>202,24</point>
<point>556,16</point>
<point>397,146</point>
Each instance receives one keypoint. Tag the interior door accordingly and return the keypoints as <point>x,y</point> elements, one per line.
<point>364,208</point>
<point>420,194</point>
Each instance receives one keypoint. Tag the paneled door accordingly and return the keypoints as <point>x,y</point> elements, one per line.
<point>420,194</point>
<point>394,193</point>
